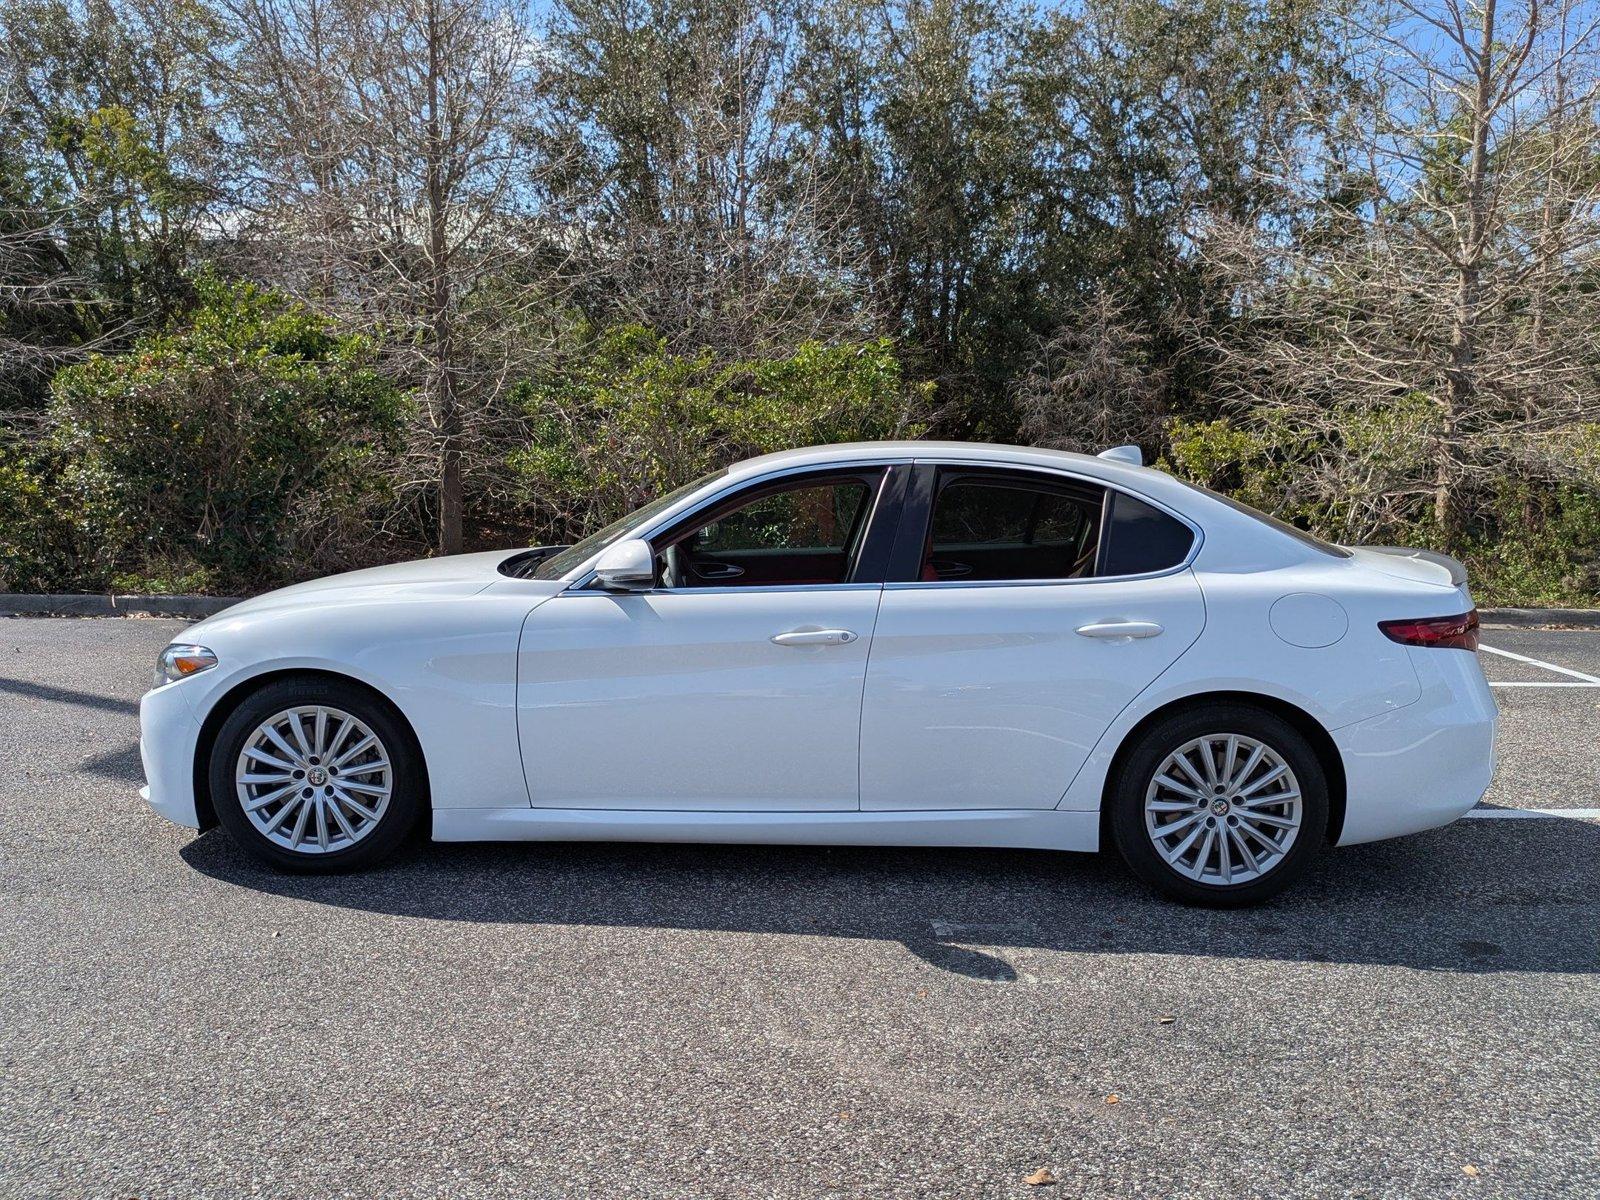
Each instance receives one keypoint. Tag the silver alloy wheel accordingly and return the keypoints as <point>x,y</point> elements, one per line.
<point>314,779</point>
<point>1223,809</point>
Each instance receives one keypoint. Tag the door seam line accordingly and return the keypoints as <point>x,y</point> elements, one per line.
<point>861,706</point>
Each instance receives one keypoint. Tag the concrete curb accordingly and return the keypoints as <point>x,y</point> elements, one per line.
<point>1582,618</point>
<point>70,605</point>
<point>22,605</point>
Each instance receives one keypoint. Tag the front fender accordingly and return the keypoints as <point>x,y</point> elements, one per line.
<point>448,665</point>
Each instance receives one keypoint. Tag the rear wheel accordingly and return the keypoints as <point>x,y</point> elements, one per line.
<point>315,775</point>
<point>1221,805</point>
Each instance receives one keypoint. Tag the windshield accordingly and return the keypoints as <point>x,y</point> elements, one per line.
<point>1282,526</point>
<point>558,565</point>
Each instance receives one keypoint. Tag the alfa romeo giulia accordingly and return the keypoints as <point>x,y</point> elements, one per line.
<point>906,644</point>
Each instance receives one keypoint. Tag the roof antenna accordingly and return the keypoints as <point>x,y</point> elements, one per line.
<point>1126,454</point>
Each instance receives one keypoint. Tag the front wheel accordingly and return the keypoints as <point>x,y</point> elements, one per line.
<point>1223,805</point>
<point>315,775</point>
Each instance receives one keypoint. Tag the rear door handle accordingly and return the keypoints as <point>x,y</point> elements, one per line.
<point>814,637</point>
<point>1112,630</point>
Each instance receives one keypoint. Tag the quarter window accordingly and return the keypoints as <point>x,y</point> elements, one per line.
<point>1140,539</point>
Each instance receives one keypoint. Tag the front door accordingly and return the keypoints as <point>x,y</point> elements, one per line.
<point>735,684</point>
<point>1015,635</point>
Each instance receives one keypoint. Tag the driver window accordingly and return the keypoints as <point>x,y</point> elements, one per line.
<point>807,533</point>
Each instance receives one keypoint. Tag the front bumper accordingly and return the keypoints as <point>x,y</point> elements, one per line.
<point>1423,765</point>
<point>169,734</point>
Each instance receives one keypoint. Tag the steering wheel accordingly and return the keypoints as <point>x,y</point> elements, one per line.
<point>671,567</point>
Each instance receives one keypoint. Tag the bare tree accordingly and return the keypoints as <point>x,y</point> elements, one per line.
<point>1092,384</point>
<point>109,176</point>
<point>1433,329</point>
<point>701,210</point>
<point>49,317</point>
<point>396,190</point>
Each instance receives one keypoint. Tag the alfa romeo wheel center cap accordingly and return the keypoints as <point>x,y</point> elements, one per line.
<point>316,777</point>
<point>1219,806</point>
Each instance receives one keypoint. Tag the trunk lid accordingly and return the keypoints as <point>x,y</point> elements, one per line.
<point>1418,566</point>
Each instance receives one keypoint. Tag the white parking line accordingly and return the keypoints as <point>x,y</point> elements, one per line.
<point>1587,680</point>
<point>1525,814</point>
<point>1578,679</point>
<point>1542,683</point>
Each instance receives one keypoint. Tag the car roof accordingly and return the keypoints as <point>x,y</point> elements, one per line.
<point>1156,484</point>
<point>912,448</point>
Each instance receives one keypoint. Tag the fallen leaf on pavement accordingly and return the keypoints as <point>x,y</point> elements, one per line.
<point>1113,1099</point>
<point>1040,1178</point>
<point>1469,1169</point>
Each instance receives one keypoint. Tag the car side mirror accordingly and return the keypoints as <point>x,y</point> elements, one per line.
<point>628,566</point>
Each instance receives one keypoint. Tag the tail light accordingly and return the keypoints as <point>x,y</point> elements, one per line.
<point>1452,633</point>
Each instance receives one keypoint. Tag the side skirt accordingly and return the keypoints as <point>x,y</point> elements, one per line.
<point>1030,829</point>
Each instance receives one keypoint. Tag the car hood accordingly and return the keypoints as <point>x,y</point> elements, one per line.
<point>421,579</point>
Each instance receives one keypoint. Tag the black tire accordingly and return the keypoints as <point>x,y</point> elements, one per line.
<point>1138,769</point>
<point>407,799</point>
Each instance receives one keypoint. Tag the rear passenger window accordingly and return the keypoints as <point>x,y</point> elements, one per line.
<point>1140,539</point>
<point>996,528</point>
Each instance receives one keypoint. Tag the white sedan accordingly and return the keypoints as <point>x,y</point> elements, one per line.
<point>898,644</point>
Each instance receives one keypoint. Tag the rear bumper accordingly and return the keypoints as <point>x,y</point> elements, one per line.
<point>168,735</point>
<point>1423,765</point>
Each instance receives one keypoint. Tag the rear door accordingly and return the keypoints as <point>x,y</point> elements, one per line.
<point>1024,611</point>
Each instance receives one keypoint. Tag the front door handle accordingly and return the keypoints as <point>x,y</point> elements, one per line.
<point>716,570</point>
<point>814,637</point>
<point>1120,629</point>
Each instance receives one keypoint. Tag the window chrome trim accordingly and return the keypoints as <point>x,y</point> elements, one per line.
<point>748,590</point>
<point>1082,480</point>
<point>583,580</point>
<point>909,584</point>
<point>582,576</point>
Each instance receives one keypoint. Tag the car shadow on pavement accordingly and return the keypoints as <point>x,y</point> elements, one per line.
<point>60,695</point>
<point>1478,896</point>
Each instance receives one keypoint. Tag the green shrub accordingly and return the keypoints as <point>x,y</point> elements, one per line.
<point>619,418</point>
<point>35,539</point>
<point>165,579</point>
<point>1526,543</point>
<point>1253,465</point>
<point>1536,545</point>
<point>224,454</point>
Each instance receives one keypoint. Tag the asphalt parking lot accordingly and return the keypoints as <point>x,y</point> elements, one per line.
<point>1419,1018</point>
